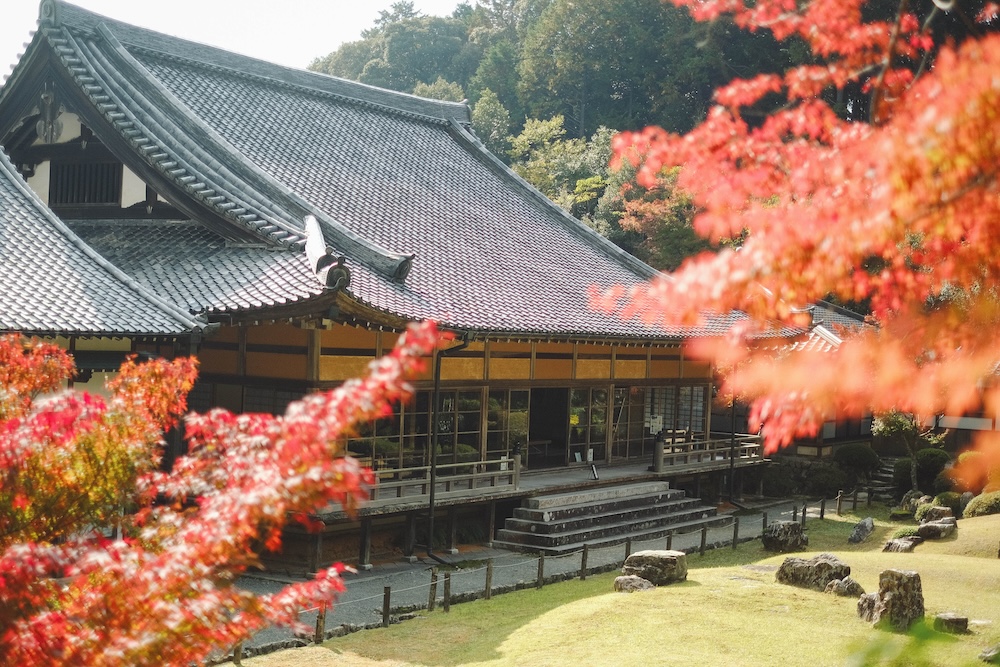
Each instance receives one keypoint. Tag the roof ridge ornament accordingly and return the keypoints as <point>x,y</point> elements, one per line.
<point>48,12</point>
<point>326,264</point>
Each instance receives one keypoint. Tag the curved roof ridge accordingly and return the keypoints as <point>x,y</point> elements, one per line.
<point>230,186</point>
<point>248,66</point>
<point>185,321</point>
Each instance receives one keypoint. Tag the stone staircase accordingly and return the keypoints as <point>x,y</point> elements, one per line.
<point>882,485</point>
<point>563,522</point>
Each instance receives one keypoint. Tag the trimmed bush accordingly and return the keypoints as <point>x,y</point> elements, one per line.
<point>856,459</point>
<point>950,499</point>
<point>901,477</point>
<point>930,463</point>
<point>824,480</point>
<point>778,481</point>
<point>983,504</point>
<point>943,483</point>
<point>905,531</point>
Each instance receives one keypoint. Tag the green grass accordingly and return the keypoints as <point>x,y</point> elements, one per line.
<point>729,612</point>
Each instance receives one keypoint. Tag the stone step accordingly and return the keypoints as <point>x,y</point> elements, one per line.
<point>616,538</point>
<point>621,528</point>
<point>594,495</point>
<point>540,523</point>
<point>566,512</point>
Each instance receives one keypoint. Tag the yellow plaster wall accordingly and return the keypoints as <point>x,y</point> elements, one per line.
<point>218,361</point>
<point>630,369</point>
<point>277,334</point>
<point>276,365</point>
<point>339,368</point>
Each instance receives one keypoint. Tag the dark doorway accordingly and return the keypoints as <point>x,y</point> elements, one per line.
<point>549,419</point>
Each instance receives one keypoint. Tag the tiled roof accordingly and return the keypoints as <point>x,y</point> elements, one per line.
<point>195,268</point>
<point>836,318</point>
<point>51,282</point>
<point>431,224</point>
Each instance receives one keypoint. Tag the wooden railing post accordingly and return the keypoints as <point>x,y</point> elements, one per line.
<point>583,562</point>
<point>628,547</point>
<point>704,540</point>
<point>432,595</point>
<point>447,592</point>
<point>840,501</point>
<point>822,508</point>
<point>386,605</point>
<point>488,592</point>
<point>736,531</point>
<point>320,634</point>
<point>541,571</point>
<point>670,540</point>
<point>763,527</point>
<point>238,654</point>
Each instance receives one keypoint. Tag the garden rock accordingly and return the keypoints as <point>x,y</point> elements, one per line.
<point>846,587</point>
<point>862,530</point>
<point>784,537</point>
<point>910,501</point>
<point>936,530</point>
<point>897,604</point>
<point>632,583</point>
<point>966,499</point>
<point>902,544</point>
<point>659,567</point>
<point>991,655</point>
<point>951,623</point>
<point>814,573</point>
<point>938,512</point>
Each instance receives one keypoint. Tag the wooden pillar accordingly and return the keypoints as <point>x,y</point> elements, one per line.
<point>410,537</point>
<point>452,546</point>
<point>493,523</point>
<point>318,554</point>
<point>365,550</point>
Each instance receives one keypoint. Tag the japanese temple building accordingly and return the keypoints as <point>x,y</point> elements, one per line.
<point>300,221</point>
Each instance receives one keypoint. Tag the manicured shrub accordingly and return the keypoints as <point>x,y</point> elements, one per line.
<point>901,477</point>
<point>930,463</point>
<point>983,504</point>
<point>943,483</point>
<point>857,460</point>
<point>950,499</point>
<point>778,481</point>
<point>905,531</point>
<point>824,480</point>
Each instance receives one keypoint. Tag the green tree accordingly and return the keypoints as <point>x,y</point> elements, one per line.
<point>440,90</point>
<point>491,123</point>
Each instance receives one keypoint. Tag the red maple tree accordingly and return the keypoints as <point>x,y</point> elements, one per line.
<point>76,467</point>
<point>900,210</point>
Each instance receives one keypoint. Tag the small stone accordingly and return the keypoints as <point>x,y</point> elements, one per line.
<point>965,500</point>
<point>938,512</point>
<point>902,544</point>
<point>660,567</point>
<point>631,583</point>
<point>898,603</point>
<point>935,530</point>
<point>784,537</point>
<point>862,530</point>
<point>846,587</point>
<point>814,573</point>
<point>991,655</point>
<point>951,623</point>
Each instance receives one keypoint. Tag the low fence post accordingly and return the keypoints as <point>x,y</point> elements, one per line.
<point>854,501</point>
<point>840,501</point>
<point>704,540</point>
<point>488,592</point>
<point>822,508</point>
<point>583,562</point>
<point>795,512</point>
<point>670,540</point>
<point>432,594</point>
<point>763,527</point>
<point>517,471</point>
<point>447,592</point>
<point>320,624</point>
<point>238,654</point>
<point>386,605</point>
<point>868,497</point>
<point>805,506</point>
<point>736,531</point>
<point>628,547</point>
<point>541,571</point>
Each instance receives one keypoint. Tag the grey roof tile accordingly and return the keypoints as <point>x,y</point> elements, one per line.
<point>387,174</point>
<point>52,283</point>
